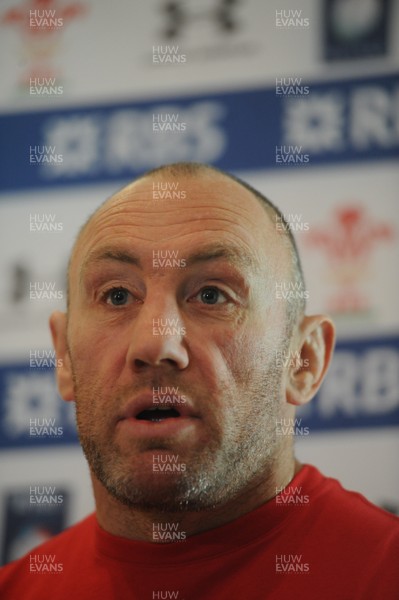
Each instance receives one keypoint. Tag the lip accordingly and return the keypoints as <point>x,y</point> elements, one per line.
<point>146,401</point>
<point>171,427</point>
<point>168,427</point>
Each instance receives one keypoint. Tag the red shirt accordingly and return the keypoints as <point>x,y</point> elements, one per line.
<point>314,540</point>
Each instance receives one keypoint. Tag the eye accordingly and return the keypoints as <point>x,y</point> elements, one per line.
<point>117,296</point>
<point>211,295</point>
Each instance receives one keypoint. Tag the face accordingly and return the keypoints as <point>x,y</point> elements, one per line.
<point>193,328</point>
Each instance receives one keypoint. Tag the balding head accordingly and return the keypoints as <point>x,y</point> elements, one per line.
<point>180,171</point>
<point>182,292</point>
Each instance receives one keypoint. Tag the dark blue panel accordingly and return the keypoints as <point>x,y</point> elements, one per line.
<point>361,391</point>
<point>332,122</point>
<point>31,412</point>
<point>361,388</point>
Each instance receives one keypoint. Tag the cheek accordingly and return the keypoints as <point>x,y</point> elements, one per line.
<point>239,354</point>
<point>96,352</point>
<point>251,348</point>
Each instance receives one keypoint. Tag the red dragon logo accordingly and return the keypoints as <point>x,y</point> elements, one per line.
<point>41,23</point>
<point>348,244</point>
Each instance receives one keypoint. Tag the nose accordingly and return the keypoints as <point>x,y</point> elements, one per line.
<point>158,336</point>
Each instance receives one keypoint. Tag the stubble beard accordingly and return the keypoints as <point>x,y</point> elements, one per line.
<point>213,476</point>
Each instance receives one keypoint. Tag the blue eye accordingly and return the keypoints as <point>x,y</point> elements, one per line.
<point>211,295</point>
<point>117,296</point>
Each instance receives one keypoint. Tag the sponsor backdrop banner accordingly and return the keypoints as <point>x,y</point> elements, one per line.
<point>312,124</point>
<point>360,391</point>
<point>302,103</point>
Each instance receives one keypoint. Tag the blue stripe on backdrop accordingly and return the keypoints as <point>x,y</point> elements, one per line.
<point>31,411</point>
<point>361,388</point>
<point>361,391</point>
<point>288,126</point>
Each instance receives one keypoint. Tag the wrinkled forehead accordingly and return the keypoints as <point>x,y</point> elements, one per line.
<point>206,194</point>
<point>161,208</point>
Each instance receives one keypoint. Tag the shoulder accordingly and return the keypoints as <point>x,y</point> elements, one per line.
<point>354,509</point>
<point>340,514</point>
<point>357,540</point>
<point>48,559</point>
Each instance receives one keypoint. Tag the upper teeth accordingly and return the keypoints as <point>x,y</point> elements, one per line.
<point>159,408</point>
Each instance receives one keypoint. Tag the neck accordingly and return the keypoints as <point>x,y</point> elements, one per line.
<point>137,524</point>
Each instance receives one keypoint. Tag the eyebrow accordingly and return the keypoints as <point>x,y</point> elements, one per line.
<point>229,252</point>
<point>112,254</point>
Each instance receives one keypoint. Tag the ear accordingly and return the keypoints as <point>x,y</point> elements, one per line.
<point>58,327</point>
<point>313,346</point>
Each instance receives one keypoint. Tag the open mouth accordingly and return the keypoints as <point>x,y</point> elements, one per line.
<point>157,415</point>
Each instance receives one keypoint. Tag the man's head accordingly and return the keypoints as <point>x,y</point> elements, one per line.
<point>176,299</point>
<point>296,306</point>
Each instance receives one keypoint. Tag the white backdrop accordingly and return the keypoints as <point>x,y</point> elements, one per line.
<point>100,80</point>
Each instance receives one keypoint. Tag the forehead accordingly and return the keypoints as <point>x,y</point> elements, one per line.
<point>184,211</point>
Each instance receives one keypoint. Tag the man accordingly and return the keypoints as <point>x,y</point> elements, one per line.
<point>172,349</point>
